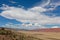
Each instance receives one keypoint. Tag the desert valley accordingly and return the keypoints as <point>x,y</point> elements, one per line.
<point>47,34</point>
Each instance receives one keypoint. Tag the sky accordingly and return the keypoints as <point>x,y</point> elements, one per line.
<point>30,14</point>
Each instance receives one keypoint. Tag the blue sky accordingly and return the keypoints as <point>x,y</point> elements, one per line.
<point>30,14</point>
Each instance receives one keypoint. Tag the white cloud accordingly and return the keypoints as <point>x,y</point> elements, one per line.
<point>52,3</point>
<point>23,26</point>
<point>12,1</point>
<point>55,27</point>
<point>32,15</point>
<point>46,3</point>
<point>43,3</point>
<point>37,9</point>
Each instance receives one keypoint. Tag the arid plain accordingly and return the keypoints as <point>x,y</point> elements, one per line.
<point>43,35</point>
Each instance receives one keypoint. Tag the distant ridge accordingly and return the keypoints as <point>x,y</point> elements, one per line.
<point>16,29</point>
<point>37,30</point>
<point>48,30</point>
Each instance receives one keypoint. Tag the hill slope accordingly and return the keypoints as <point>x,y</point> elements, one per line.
<point>7,34</point>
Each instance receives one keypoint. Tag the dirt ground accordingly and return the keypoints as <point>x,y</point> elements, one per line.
<point>43,35</point>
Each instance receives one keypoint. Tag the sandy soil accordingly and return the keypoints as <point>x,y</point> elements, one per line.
<point>43,35</point>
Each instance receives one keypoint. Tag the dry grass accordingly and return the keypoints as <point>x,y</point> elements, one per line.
<point>14,35</point>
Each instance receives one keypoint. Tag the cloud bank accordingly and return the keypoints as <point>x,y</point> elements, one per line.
<point>24,26</point>
<point>31,15</point>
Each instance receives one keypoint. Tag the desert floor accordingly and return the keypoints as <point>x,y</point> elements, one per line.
<point>43,35</point>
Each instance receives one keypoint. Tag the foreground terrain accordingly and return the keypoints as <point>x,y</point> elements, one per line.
<point>43,35</point>
<point>7,34</point>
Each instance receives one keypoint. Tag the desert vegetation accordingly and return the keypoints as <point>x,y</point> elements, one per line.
<point>13,35</point>
<point>7,34</point>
